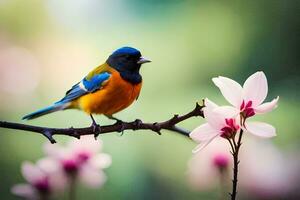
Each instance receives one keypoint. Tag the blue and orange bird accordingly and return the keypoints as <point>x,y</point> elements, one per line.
<point>108,89</point>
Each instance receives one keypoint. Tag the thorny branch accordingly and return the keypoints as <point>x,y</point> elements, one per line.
<point>119,126</point>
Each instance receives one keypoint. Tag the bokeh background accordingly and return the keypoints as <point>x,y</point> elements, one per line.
<point>47,46</point>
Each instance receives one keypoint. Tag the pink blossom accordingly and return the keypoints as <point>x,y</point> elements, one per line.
<point>44,179</point>
<point>206,168</point>
<point>221,161</point>
<point>248,101</point>
<point>265,171</point>
<point>81,159</point>
<point>219,124</point>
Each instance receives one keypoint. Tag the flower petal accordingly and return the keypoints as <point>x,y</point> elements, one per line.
<point>54,171</point>
<point>58,181</point>
<point>227,111</point>
<point>49,165</point>
<point>231,90</point>
<point>100,161</point>
<point>215,120</point>
<point>267,107</point>
<point>202,145</point>
<point>202,173</point>
<point>54,150</point>
<point>255,88</point>
<point>260,129</point>
<point>24,190</point>
<point>203,133</point>
<point>86,143</point>
<point>91,177</point>
<point>31,172</point>
<point>210,104</point>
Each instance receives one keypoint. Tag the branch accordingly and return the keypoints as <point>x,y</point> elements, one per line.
<point>235,154</point>
<point>119,126</point>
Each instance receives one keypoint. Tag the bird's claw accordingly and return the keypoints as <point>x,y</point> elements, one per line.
<point>96,130</point>
<point>121,125</point>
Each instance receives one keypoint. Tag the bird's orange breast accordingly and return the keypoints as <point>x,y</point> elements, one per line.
<point>116,95</point>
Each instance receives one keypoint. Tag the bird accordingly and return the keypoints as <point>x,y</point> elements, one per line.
<point>108,89</point>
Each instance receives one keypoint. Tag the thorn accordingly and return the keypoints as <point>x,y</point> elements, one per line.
<point>77,135</point>
<point>156,128</point>
<point>48,134</point>
<point>158,132</point>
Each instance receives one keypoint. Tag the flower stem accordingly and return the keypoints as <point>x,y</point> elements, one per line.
<point>223,183</point>
<point>72,189</point>
<point>45,197</point>
<point>235,154</point>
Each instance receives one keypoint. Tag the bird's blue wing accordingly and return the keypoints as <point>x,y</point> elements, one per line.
<point>86,86</point>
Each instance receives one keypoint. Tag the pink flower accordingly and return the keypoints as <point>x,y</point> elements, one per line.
<point>221,161</point>
<point>44,179</point>
<point>207,168</point>
<point>81,159</point>
<point>266,172</point>
<point>248,101</point>
<point>219,124</point>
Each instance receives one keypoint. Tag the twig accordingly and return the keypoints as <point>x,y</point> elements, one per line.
<point>117,127</point>
<point>236,162</point>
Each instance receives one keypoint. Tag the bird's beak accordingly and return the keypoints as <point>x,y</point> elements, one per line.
<point>143,60</point>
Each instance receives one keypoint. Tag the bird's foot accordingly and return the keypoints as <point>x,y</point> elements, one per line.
<point>121,125</point>
<point>96,129</point>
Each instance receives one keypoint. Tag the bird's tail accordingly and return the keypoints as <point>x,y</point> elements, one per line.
<point>50,109</point>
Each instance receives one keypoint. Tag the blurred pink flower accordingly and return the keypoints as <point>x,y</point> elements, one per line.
<point>221,161</point>
<point>44,179</point>
<point>81,159</point>
<point>248,101</point>
<point>219,124</point>
<point>206,168</point>
<point>265,171</point>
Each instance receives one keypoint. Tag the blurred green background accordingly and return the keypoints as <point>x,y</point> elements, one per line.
<point>47,46</point>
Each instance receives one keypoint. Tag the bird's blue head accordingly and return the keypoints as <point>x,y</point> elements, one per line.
<point>127,61</point>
